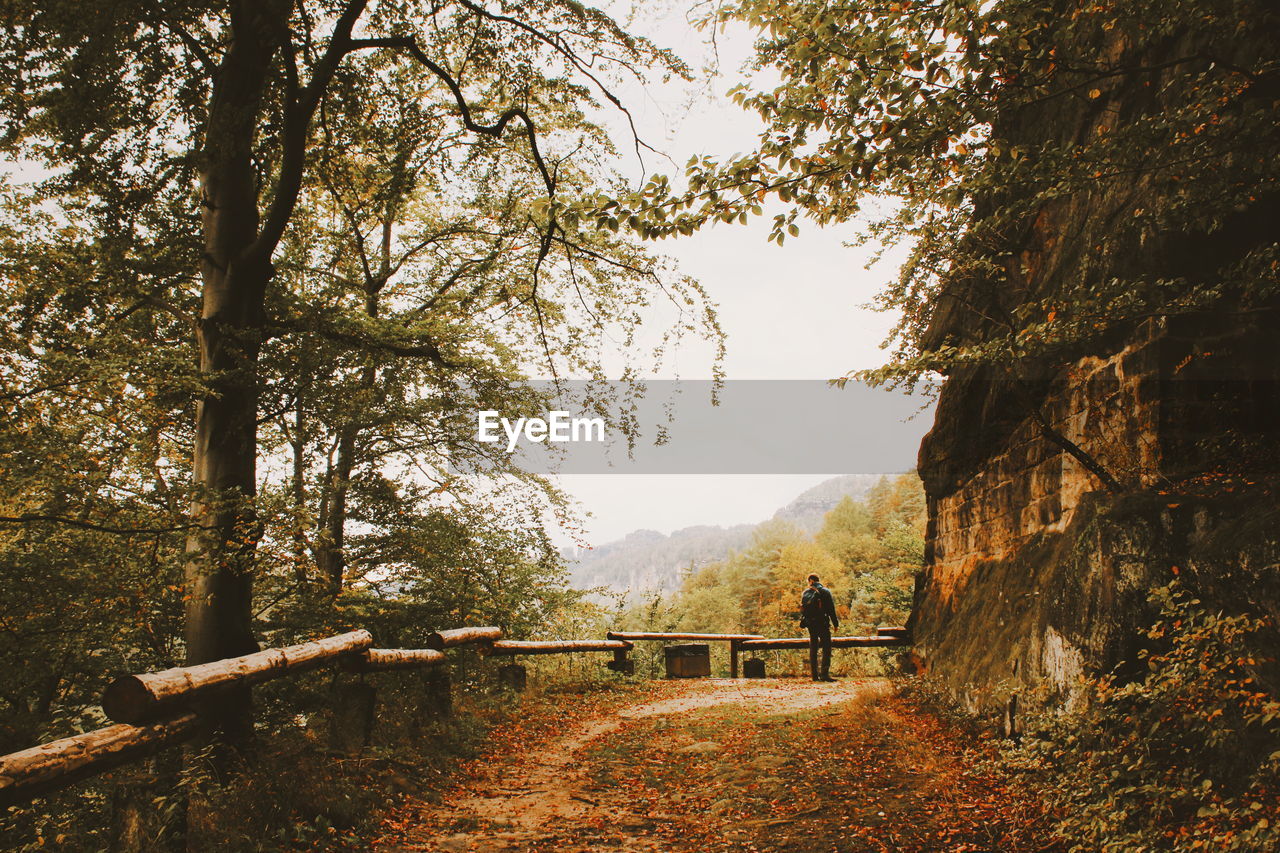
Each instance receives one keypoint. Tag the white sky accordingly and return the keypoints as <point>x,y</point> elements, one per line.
<point>790,312</point>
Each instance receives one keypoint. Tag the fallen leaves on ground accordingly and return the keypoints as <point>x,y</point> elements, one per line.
<point>720,765</point>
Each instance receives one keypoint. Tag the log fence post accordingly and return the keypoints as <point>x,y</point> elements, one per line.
<point>621,663</point>
<point>144,816</point>
<point>351,723</point>
<point>439,693</point>
<point>513,676</point>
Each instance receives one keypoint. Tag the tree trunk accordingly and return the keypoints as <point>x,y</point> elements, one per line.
<point>298,489</point>
<point>331,557</point>
<point>220,567</point>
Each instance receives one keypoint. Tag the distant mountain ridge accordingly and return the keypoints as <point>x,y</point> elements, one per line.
<point>649,560</point>
<point>811,505</point>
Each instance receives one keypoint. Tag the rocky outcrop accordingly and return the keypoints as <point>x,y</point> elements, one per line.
<point>1035,575</point>
<point>809,509</point>
<point>1037,572</point>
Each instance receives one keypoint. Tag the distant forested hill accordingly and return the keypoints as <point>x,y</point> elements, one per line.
<point>809,508</point>
<point>649,560</point>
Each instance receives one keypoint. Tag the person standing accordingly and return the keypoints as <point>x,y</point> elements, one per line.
<point>816,608</point>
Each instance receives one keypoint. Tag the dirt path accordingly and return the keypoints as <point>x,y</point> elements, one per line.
<point>728,765</point>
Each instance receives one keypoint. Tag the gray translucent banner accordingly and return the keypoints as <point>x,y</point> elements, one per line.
<point>694,427</point>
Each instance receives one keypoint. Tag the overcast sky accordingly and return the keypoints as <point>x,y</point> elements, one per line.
<point>790,312</point>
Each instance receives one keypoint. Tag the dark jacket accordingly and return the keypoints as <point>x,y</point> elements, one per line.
<point>817,605</point>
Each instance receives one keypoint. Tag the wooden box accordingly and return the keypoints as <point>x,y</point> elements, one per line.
<point>688,660</point>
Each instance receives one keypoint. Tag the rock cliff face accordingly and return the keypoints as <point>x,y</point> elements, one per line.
<point>1036,575</point>
<point>1036,571</point>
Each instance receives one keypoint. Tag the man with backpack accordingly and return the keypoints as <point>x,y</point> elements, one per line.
<point>816,607</point>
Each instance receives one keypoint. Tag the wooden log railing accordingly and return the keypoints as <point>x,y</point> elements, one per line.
<point>668,635</point>
<point>384,660</point>
<point>151,710</point>
<point>836,642</point>
<point>441,640</point>
<point>59,763</point>
<point>885,638</point>
<point>732,639</point>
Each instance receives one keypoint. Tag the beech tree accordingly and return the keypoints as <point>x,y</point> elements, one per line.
<point>193,139</point>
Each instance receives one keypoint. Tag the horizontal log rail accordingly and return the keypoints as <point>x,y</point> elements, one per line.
<point>59,763</point>
<point>385,660</point>
<point>666,635</point>
<point>138,698</point>
<point>553,647</point>
<point>441,640</point>
<point>836,642</point>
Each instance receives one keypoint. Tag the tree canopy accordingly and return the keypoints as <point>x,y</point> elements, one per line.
<point>980,134</point>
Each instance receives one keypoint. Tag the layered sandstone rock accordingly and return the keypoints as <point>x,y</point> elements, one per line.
<point>1035,575</point>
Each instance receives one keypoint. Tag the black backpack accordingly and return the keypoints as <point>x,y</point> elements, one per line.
<point>811,606</point>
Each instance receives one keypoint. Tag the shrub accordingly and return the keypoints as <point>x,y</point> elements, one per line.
<point>1185,756</point>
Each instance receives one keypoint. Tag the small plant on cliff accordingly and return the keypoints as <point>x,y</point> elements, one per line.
<point>1183,757</point>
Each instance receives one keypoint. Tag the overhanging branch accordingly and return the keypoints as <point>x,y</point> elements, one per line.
<point>409,45</point>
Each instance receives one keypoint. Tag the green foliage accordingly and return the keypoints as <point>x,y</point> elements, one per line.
<point>414,271</point>
<point>93,488</point>
<point>418,278</point>
<point>655,613</point>
<point>1184,756</point>
<point>881,545</point>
